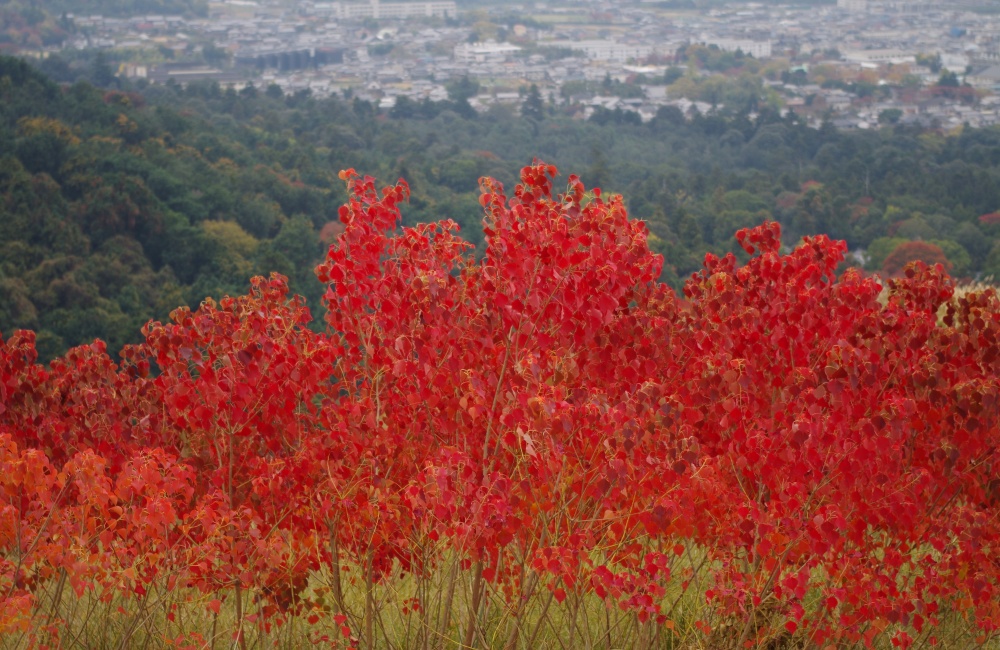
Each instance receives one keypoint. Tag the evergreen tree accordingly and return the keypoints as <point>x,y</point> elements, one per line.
<point>102,74</point>
<point>532,107</point>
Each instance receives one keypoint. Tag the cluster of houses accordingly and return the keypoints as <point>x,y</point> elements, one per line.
<point>385,50</point>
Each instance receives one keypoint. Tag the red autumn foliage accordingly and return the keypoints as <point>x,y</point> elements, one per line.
<point>912,251</point>
<point>861,208</point>
<point>990,219</point>
<point>330,231</point>
<point>787,200</point>
<point>550,413</point>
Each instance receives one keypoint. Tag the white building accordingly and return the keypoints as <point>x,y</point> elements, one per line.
<point>756,49</point>
<point>954,61</point>
<point>605,50</point>
<point>439,9</point>
<point>853,5</point>
<point>388,10</point>
<point>887,55</point>
<point>488,52</point>
<point>988,79</point>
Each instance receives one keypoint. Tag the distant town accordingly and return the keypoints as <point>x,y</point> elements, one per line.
<point>856,64</point>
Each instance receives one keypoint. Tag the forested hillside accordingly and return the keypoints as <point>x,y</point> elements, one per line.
<point>120,205</point>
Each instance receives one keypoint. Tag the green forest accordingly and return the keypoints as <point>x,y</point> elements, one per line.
<point>120,204</point>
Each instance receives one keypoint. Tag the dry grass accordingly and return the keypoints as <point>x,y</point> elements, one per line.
<point>183,618</point>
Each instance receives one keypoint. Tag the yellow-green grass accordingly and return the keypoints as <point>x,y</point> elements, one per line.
<point>443,619</point>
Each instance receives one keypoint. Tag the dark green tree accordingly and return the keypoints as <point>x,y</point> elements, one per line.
<point>274,91</point>
<point>533,108</point>
<point>890,116</point>
<point>101,73</point>
<point>948,79</point>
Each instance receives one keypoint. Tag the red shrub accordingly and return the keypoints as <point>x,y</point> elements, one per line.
<point>549,413</point>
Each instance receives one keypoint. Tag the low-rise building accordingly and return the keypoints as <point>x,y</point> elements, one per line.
<point>484,52</point>
<point>387,10</point>
<point>608,50</point>
<point>853,5</point>
<point>879,56</point>
<point>985,78</point>
<point>756,49</point>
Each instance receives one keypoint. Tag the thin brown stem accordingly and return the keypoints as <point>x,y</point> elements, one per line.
<point>477,594</point>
